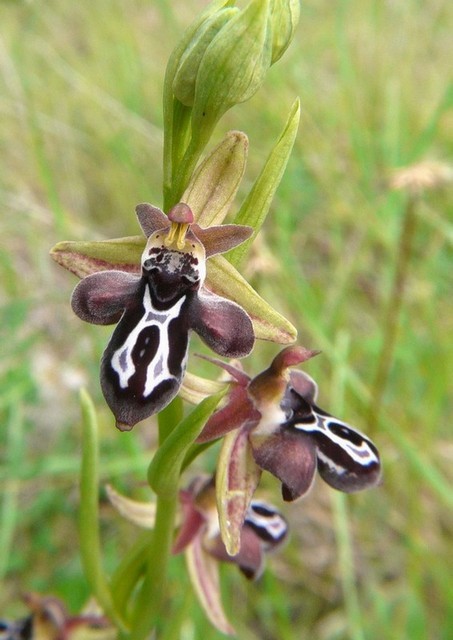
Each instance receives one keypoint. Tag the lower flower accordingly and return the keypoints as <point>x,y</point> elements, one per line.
<point>272,423</point>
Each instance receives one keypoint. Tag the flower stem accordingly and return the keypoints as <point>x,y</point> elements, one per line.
<point>392,313</point>
<point>152,592</point>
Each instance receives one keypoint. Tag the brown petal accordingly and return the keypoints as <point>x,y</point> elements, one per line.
<point>289,456</point>
<point>249,558</point>
<point>222,238</point>
<point>238,410</point>
<point>151,218</point>
<point>102,297</point>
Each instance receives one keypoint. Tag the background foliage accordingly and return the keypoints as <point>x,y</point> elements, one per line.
<point>80,140</point>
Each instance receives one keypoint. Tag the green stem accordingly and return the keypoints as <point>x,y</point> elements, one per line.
<point>392,313</point>
<point>128,573</point>
<point>183,172</point>
<point>151,595</point>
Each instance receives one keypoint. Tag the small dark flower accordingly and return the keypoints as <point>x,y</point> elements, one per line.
<point>263,530</point>
<point>273,423</point>
<point>49,620</point>
<point>144,363</point>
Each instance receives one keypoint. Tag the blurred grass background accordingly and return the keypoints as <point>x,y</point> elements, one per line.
<point>80,143</point>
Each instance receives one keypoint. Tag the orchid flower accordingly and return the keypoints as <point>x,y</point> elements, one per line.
<point>264,530</point>
<point>49,620</point>
<point>143,365</point>
<point>272,423</point>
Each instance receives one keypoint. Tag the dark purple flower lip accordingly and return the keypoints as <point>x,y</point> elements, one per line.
<point>144,363</point>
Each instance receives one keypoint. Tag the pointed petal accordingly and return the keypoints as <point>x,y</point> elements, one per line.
<point>238,410</point>
<point>222,238</point>
<point>102,297</point>
<point>143,514</point>
<point>236,371</point>
<point>236,481</point>
<point>289,456</point>
<point>204,576</point>
<point>216,180</point>
<point>151,218</point>
<point>224,280</point>
<point>222,324</point>
<point>347,459</point>
<point>84,258</point>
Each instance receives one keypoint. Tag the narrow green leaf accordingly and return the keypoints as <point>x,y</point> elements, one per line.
<point>165,469</point>
<point>90,539</point>
<point>255,207</point>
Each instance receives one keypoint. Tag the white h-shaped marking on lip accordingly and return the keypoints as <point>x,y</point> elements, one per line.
<point>157,371</point>
<point>362,454</point>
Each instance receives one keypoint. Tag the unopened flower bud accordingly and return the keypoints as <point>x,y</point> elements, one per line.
<point>189,63</point>
<point>285,16</point>
<point>234,65</point>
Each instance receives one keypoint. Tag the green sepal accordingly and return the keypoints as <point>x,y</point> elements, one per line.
<point>165,468</point>
<point>268,324</point>
<point>85,258</point>
<point>237,478</point>
<point>256,206</point>
<point>216,180</point>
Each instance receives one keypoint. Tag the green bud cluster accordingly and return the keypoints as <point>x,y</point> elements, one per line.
<point>221,61</point>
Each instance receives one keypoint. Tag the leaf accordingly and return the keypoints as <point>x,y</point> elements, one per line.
<point>256,206</point>
<point>165,468</point>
